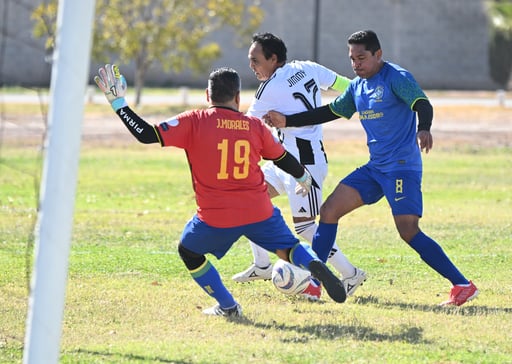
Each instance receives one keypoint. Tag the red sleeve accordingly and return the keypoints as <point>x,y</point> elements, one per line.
<point>176,131</point>
<point>271,147</point>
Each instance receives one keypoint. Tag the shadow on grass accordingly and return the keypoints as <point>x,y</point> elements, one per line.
<point>449,310</point>
<point>300,334</point>
<point>124,356</point>
<point>408,334</point>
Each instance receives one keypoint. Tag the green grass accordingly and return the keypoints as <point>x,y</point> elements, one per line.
<point>130,299</point>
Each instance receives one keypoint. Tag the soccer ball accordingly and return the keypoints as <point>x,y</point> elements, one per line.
<point>288,278</point>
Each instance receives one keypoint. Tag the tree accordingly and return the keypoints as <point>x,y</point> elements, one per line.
<point>500,44</point>
<point>172,33</point>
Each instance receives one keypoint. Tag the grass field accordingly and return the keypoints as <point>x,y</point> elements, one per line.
<point>131,300</point>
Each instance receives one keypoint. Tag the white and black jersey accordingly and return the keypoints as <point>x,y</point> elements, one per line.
<point>293,88</point>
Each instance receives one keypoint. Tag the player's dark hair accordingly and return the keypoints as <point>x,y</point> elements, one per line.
<point>368,38</point>
<point>270,44</point>
<point>223,84</point>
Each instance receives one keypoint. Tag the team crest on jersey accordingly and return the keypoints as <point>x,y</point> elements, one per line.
<point>378,94</point>
<point>171,122</point>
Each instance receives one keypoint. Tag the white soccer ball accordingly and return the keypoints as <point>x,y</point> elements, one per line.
<point>288,278</point>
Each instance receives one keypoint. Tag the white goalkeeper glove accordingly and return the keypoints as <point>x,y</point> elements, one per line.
<point>304,184</point>
<point>113,85</point>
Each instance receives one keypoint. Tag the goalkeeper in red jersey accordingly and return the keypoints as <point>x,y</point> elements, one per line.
<point>224,148</point>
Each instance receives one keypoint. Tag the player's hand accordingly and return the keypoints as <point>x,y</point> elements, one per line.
<point>275,119</point>
<point>425,140</point>
<point>113,85</point>
<point>304,184</point>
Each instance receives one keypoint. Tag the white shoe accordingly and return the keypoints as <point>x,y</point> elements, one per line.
<point>216,310</point>
<point>353,283</point>
<point>253,273</point>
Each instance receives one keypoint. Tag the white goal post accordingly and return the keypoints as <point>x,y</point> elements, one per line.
<point>70,69</point>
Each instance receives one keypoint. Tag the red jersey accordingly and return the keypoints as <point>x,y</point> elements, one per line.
<point>224,148</point>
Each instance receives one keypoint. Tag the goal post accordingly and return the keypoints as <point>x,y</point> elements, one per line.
<point>71,60</point>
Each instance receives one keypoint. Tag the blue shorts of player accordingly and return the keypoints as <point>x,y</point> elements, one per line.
<point>401,188</point>
<point>271,234</point>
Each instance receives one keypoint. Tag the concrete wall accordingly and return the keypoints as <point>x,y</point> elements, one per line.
<point>443,42</point>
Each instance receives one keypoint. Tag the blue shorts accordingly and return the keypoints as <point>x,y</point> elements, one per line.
<point>401,188</point>
<point>271,234</point>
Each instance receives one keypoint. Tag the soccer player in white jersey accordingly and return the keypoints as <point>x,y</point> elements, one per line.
<point>290,88</point>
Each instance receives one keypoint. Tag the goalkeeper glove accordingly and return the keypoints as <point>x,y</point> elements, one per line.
<point>113,85</point>
<point>304,184</point>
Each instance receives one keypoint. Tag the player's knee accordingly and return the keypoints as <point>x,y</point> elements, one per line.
<point>407,226</point>
<point>328,213</point>
<point>284,254</point>
<point>192,260</point>
<point>407,234</point>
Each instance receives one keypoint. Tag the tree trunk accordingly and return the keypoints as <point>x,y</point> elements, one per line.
<point>140,72</point>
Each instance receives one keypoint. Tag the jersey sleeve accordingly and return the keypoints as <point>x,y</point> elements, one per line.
<point>258,107</point>
<point>344,105</point>
<point>329,79</point>
<point>406,88</point>
<point>177,130</point>
<point>326,77</point>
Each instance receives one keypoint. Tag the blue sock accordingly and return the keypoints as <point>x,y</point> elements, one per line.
<point>209,280</point>
<point>301,255</point>
<point>434,256</point>
<point>324,239</point>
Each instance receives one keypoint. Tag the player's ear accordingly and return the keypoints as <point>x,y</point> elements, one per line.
<point>207,95</point>
<point>378,53</point>
<point>237,98</point>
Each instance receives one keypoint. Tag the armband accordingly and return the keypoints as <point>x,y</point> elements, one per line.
<point>341,83</point>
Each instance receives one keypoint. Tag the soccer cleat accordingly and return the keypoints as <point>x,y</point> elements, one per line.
<point>312,292</point>
<point>353,283</point>
<point>459,295</point>
<point>331,283</point>
<point>253,273</point>
<point>216,310</point>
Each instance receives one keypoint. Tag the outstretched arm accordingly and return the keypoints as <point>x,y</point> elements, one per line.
<point>140,129</point>
<point>319,115</point>
<point>113,85</point>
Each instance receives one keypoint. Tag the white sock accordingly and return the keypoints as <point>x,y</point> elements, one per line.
<point>336,258</point>
<point>261,257</point>
<point>340,262</point>
<point>306,230</point>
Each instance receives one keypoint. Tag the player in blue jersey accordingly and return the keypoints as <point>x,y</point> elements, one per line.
<point>387,98</point>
